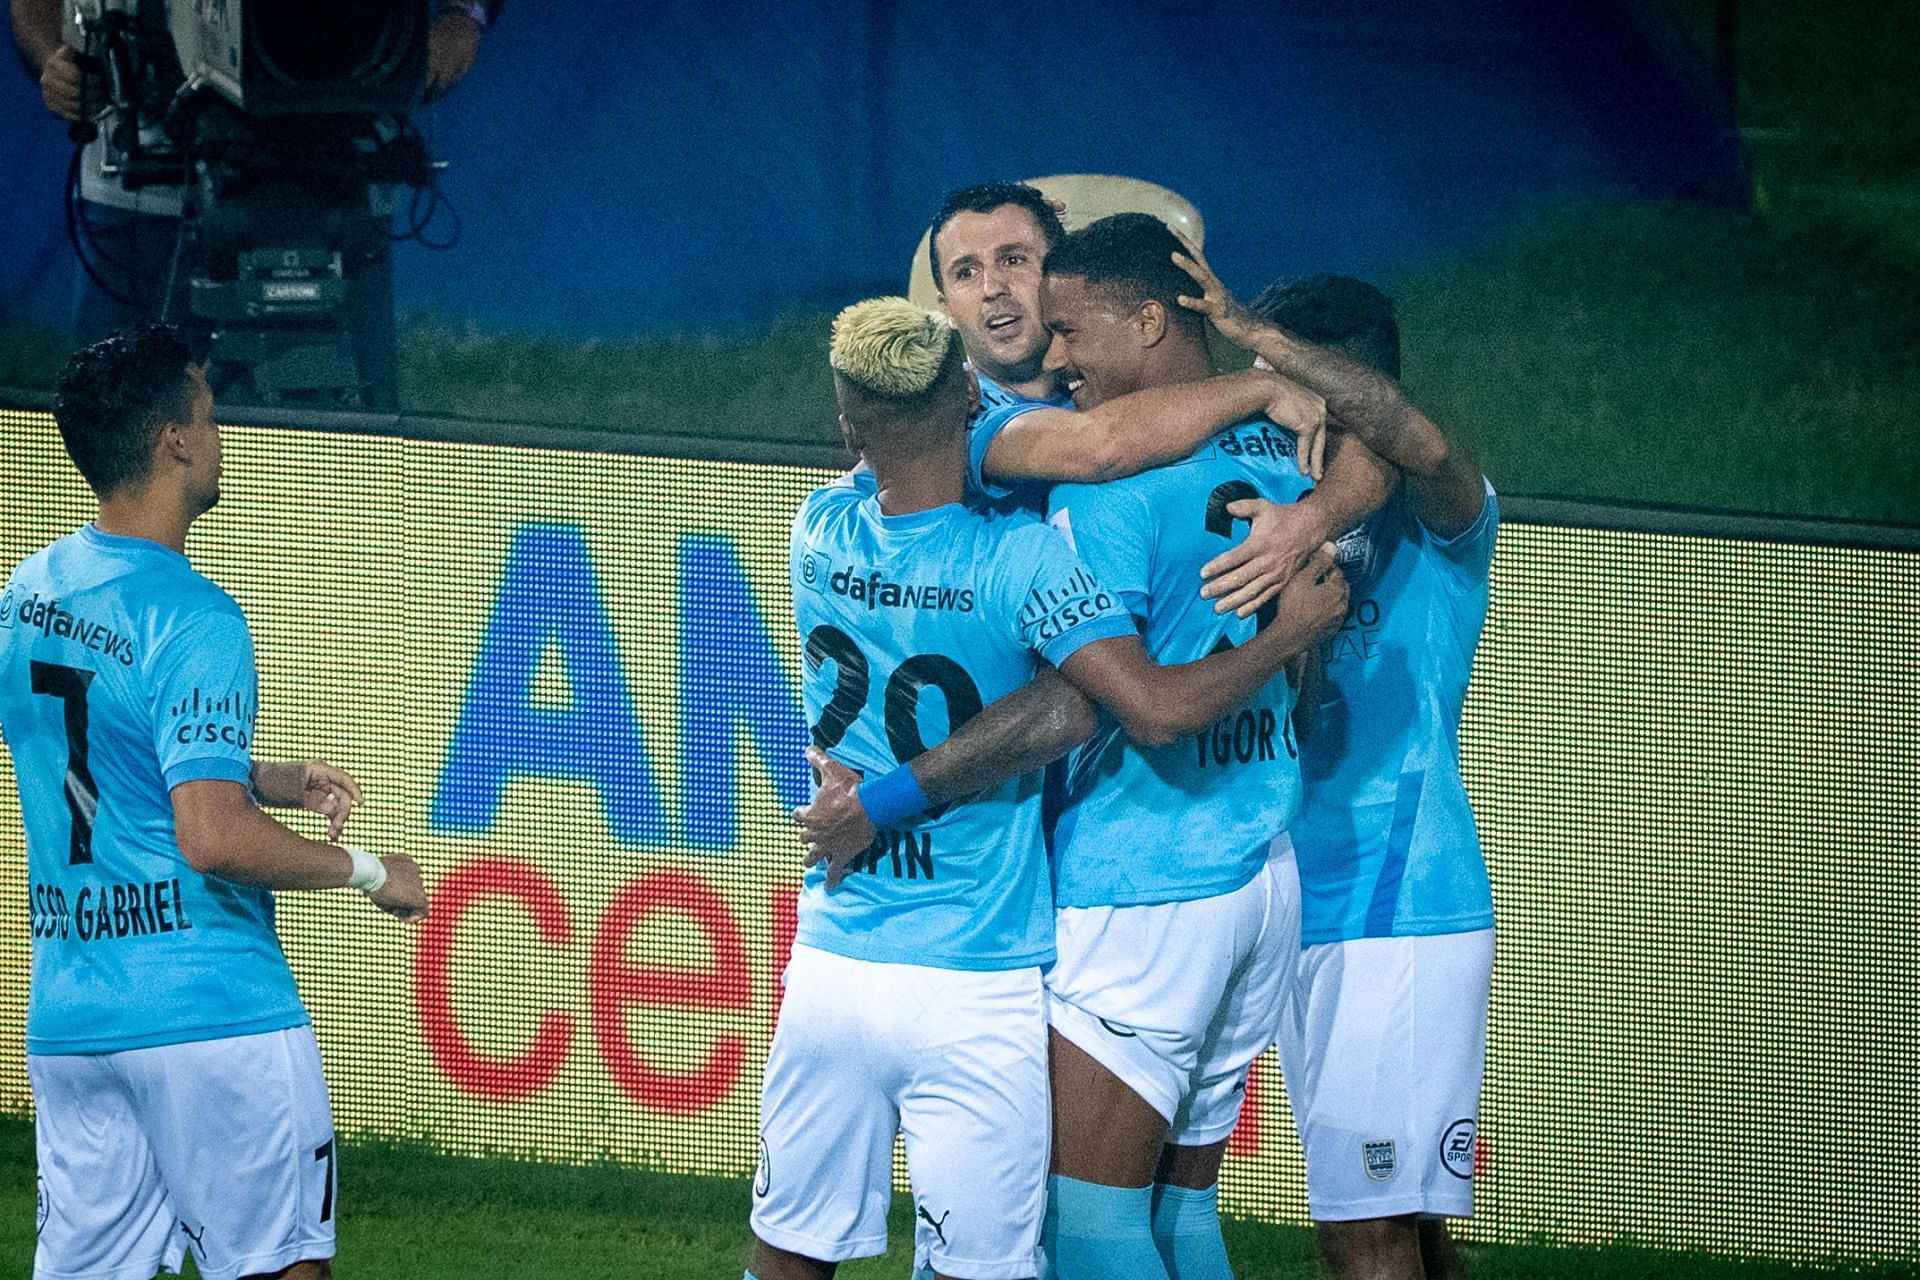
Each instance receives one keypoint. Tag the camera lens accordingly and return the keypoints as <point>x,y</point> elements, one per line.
<point>358,40</point>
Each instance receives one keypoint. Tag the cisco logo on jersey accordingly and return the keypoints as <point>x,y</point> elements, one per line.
<point>202,717</point>
<point>874,591</point>
<point>52,620</point>
<point>1055,611</point>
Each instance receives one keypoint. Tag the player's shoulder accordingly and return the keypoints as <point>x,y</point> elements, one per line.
<point>836,497</point>
<point>1014,529</point>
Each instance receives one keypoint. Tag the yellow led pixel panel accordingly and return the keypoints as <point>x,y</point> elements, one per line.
<point>568,684</point>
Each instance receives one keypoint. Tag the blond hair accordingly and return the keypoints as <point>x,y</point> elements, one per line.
<point>890,347</point>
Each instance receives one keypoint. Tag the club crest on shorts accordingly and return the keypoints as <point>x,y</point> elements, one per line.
<point>1457,1146</point>
<point>1380,1160</point>
<point>763,1176</point>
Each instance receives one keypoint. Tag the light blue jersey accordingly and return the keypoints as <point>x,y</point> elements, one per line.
<point>911,624</point>
<point>1194,819</point>
<point>1386,840</point>
<point>123,674</point>
<point>994,396</point>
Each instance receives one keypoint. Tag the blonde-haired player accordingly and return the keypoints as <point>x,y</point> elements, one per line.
<point>914,1002</point>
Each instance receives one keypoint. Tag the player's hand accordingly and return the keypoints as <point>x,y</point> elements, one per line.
<point>60,83</point>
<point>834,828</point>
<point>1293,405</point>
<point>1313,604</point>
<point>403,896</point>
<point>1283,537</point>
<point>1235,323</point>
<point>332,793</point>
<point>453,41</point>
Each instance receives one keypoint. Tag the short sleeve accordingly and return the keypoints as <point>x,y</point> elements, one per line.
<point>1110,528</point>
<point>1468,555</point>
<point>980,438</point>
<point>205,698</point>
<point>1057,603</point>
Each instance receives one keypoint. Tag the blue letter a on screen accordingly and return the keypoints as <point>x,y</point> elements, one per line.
<point>548,599</point>
<point>730,678</point>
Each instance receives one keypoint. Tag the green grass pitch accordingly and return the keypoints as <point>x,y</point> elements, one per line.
<point>410,1214</point>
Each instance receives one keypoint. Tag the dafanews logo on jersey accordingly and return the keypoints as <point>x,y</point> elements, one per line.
<point>1259,440</point>
<point>871,588</point>
<point>52,620</point>
<point>225,718</point>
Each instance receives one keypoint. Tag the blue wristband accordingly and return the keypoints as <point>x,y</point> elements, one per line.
<point>893,798</point>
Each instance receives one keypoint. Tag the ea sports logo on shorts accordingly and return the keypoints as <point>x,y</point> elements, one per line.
<point>1379,1158</point>
<point>1457,1147</point>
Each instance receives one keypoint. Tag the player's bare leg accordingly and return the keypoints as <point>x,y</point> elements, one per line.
<point>1438,1251</point>
<point>1107,1141</point>
<point>1103,1131</point>
<point>1195,1168</point>
<point>1372,1248</point>
<point>770,1263</point>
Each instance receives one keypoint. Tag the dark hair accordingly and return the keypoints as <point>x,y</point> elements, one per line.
<point>1336,311</point>
<point>114,396</point>
<point>985,197</point>
<point>1129,256</point>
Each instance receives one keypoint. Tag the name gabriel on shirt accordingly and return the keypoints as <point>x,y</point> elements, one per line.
<point>103,911</point>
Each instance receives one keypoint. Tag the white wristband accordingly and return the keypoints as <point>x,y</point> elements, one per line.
<point>369,873</point>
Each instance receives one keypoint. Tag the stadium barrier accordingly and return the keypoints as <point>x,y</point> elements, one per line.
<point>564,670</point>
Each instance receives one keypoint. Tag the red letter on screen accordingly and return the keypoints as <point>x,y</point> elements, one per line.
<point>505,1079</point>
<point>616,984</point>
<point>1245,1139</point>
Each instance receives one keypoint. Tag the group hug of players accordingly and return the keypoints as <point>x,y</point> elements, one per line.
<point>1068,544</point>
<point>1194,648</point>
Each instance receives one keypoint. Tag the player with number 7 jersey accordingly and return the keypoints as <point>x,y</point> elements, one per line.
<point>915,984</point>
<point>179,1101</point>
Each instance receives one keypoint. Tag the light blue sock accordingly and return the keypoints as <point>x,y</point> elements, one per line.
<point>923,1273</point>
<point>1186,1226</point>
<point>1093,1232</point>
<point>750,1276</point>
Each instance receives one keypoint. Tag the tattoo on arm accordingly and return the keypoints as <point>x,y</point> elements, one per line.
<point>1028,729</point>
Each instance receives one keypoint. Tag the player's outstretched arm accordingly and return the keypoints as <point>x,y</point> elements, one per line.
<point>1131,433</point>
<point>1028,729</point>
<point>222,834</point>
<point>1158,704</point>
<point>1284,536</point>
<point>1446,492</point>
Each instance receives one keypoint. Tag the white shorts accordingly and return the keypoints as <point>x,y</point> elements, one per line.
<point>955,1060</point>
<point>221,1148</point>
<point>1383,1057</point>
<point>1177,999</point>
